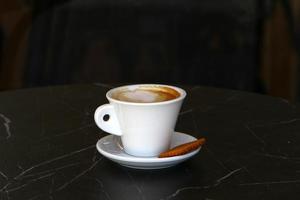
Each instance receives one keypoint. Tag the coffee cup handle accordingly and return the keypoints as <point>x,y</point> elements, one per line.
<point>106,119</point>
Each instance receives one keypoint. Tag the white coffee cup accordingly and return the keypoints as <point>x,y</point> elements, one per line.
<point>145,128</point>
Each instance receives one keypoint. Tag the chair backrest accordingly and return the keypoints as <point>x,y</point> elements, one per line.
<point>210,43</point>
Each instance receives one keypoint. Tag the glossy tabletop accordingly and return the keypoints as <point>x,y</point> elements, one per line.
<point>48,138</point>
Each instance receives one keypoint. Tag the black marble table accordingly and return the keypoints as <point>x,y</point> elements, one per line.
<point>48,137</point>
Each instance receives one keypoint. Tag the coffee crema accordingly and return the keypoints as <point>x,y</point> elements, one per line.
<point>146,94</point>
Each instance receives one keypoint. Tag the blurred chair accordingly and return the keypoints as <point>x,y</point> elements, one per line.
<point>1,43</point>
<point>211,43</point>
<point>15,20</point>
<point>172,42</point>
<point>280,50</point>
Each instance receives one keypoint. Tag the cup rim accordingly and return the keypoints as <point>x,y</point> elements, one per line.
<point>181,97</point>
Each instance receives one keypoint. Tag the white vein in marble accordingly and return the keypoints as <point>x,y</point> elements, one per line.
<point>51,170</point>
<point>271,182</point>
<point>277,123</point>
<point>102,188</point>
<point>67,132</point>
<point>52,160</point>
<point>216,183</point>
<point>79,175</point>
<point>29,182</point>
<point>138,188</point>
<point>278,156</point>
<point>6,124</point>
<point>254,134</point>
<point>2,174</point>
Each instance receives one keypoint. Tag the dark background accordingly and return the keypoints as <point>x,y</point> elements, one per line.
<point>246,45</point>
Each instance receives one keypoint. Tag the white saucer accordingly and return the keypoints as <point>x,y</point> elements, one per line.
<point>111,147</point>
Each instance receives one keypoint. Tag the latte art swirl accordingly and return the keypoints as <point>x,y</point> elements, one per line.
<point>146,95</point>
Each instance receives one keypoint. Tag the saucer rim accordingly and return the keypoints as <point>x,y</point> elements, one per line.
<point>147,159</point>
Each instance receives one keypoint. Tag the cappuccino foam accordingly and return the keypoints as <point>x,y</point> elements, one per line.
<point>146,94</point>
